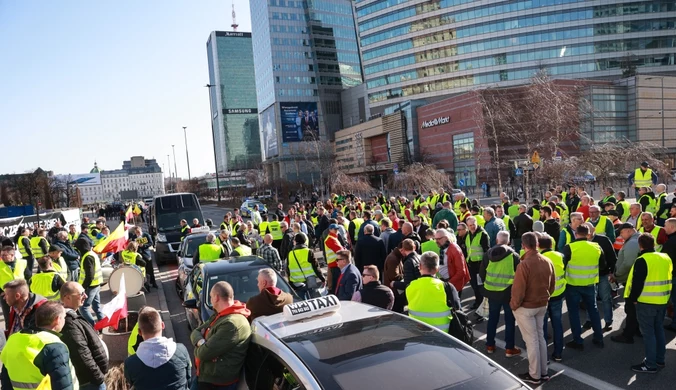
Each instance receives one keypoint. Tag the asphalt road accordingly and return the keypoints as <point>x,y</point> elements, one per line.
<point>595,368</point>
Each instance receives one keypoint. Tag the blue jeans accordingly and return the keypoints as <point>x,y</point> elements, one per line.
<point>554,310</point>
<point>90,386</point>
<point>494,308</point>
<point>586,294</point>
<point>93,300</point>
<point>604,291</point>
<point>650,319</point>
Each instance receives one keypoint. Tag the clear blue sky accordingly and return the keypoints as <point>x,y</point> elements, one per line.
<point>88,80</point>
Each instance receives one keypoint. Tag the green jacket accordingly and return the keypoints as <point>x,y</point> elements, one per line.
<point>222,355</point>
<point>448,215</point>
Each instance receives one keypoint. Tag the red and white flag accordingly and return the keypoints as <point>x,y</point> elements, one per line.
<point>115,310</point>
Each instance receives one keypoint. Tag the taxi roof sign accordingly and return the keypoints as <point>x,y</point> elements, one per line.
<point>310,308</point>
<point>201,229</point>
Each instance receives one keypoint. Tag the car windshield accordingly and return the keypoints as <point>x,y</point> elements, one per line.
<point>192,243</point>
<point>394,352</point>
<point>251,205</point>
<point>172,221</point>
<point>244,284</point>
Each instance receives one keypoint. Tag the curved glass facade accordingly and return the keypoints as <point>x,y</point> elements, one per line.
<point>425,48</point>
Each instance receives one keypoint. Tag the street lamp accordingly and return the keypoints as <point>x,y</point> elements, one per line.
<point>169,167</point>
<point>213,137</point>
<point>662,99</point>
<point>175,169</point>
<point>186,151</point>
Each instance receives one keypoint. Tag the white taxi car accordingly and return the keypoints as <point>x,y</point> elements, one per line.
<point>323,343</point>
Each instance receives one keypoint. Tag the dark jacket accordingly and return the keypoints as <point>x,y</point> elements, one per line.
<point>608,253</point>
<point>645,200</point>
<point>69,254</point>
<point>374,293</point>
<point>524,224</point>
<point>449,216</point>
<point>553,228</point>
<point>394,240</point>
<point>287,244</point>
<point>370,250</point>
<point>418,241</point>
<point>53,360</point>
<point>145,242</point>
<point>376,229</point>
<point>669,248</point>
<point>159,363</point>
<point>348,282</point>
<point>496,254</point>
<point>268,302</point>
<point>411,271</point>
<point>87,352</point>
<point>394,269</point>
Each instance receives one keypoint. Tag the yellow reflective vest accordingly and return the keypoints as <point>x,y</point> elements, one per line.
<point>500,274</point>
<point>22,247</point>
<point>475,251</point>
<point>41,284</point>
<point>7,274</point>
<point>657,286</point>
<point>583,267</point>
<point>133,337</point>
<point>19,355</point>
<point>559,269</point>
<point>60,267</point>
<point>643,179</point>
<point>299,265</point>
<point>655,233</point>
<point>36,248</point>
<point>243,250</point>
<point>275,230</point>
<point>427,302</point>
<point>209,252</point>
<point>129,257</point>
<point>98,274</point>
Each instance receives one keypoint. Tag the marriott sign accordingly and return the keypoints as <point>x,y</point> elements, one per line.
<point>435,122</point>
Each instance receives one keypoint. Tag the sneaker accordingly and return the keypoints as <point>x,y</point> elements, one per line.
<point>587,325</point>
<point>608,327</point>
<point>643,369</point>
<point>544,378</point>
<point>490,349</point>
<point>598,343</point>
<point>574,345</point>
<point>512,352</point>
<point>622,339</point>
<point>661,365</point>
<point>529,379</point>
<point>557,358</point>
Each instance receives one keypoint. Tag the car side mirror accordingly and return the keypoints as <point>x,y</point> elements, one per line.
<point>190,303</point>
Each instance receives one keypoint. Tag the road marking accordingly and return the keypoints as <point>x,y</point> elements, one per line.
<point>561,369</point>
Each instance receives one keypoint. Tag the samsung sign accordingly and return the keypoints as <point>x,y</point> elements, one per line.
<point>435,122</point>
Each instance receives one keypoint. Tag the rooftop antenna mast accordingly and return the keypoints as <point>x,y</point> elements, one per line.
<point>234,24</point>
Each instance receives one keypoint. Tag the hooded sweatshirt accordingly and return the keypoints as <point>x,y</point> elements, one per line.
<point>270,301</point>
<point>495,254</point>
<point>159,363</point>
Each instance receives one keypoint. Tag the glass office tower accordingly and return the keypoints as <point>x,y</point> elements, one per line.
<point>305,54</point>
<point>415,49</point>
<point>233,101</point>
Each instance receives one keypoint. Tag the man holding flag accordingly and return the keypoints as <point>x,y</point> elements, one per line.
<point>91,278</point>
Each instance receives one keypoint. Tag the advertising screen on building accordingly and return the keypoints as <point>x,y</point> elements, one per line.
<point>269,133</point>
<point>84,179</point>
<point>300,122</point>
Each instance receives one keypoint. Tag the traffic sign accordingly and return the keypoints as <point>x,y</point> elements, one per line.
<point>461,183</point>
<point>519,172</point>
<point>558,156</point>
<point>536,165</point>
<point>536,158</point>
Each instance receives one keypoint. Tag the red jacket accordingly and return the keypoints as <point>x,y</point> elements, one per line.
<point>457,267</point>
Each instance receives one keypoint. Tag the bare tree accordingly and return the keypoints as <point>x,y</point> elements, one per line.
<point>320,157</point>
<point>419,176</point>
<point>351,184</point>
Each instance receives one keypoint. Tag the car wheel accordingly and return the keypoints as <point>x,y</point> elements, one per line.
<point>179,291</point>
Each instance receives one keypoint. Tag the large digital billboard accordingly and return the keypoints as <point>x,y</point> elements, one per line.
<point>83,179</point>
<point>269,133</point>
<point>300,122</point>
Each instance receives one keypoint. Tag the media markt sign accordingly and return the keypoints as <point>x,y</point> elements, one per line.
<point>435,122</point>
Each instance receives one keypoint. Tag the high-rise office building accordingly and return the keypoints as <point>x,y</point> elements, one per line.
<point>233,101</point>
<point>426,49</point>
<point>305,54</point>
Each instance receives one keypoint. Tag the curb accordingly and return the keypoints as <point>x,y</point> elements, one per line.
<point>164,307</point>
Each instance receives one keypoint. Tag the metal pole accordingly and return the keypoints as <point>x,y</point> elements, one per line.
<point>175,169</point>
<point>169,167</point>
<point>213,136</point>
<point>662,95</point>
<point>186,151</point>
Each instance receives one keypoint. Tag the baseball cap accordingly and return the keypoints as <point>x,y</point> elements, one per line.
<point>645,164</point>
<point>625,225</point>
<point>333,226</point>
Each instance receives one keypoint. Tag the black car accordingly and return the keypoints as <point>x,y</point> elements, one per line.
<point>166,213</point>
<point>242,274</point>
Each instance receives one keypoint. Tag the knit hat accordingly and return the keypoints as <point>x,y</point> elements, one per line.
<point>538,226</point>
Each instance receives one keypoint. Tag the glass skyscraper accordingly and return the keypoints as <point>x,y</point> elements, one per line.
<point>415,49</point>
<point>305,54</point>
<point>233,101</point>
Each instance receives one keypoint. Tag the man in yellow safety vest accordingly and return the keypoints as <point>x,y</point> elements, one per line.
<point>48,282</point>
<point>643,176</point>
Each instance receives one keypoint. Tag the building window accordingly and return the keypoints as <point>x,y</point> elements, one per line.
<point>463,160</point>
<point>463,146</point>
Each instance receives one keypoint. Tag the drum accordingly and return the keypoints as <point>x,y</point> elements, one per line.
<point>133,279</point>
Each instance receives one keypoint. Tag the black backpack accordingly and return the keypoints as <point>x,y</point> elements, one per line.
<point>461,327</point>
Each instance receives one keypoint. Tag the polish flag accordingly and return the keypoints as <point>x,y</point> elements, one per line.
<point>115,242</point>
<point>115,310</point>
